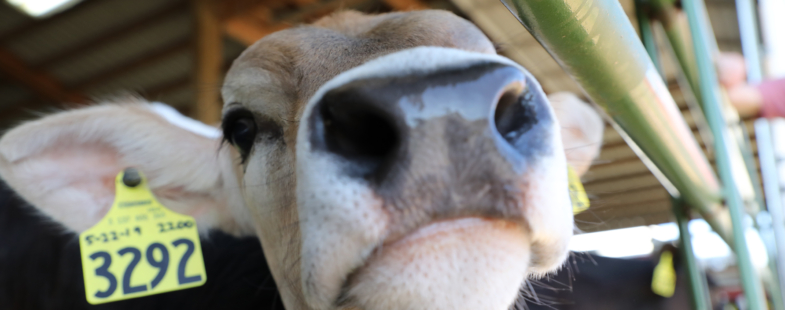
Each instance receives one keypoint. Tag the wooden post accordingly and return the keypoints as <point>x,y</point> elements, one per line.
<point>208,56</point>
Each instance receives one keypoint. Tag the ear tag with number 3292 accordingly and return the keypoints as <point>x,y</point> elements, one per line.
<point>580,201</point>
<point>140,247</point>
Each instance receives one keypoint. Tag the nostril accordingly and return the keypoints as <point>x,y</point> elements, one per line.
<point>359,132</point>
<point>514,116</point>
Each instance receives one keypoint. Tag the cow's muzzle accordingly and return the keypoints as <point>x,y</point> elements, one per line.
<point>403,155</point>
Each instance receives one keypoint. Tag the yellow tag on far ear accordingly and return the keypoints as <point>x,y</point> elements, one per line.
<point>140,247</point>
<point>580,201</point>
<point>663,281</point>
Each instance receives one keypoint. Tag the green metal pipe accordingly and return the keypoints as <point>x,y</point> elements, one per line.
<point>769,275</point>
<point>695,107</point>
<point>699,290</point>
<point>594,41</point>
<point>665,12</point>
<point>696,14</point>
<point>647,36</point>
<point>748,28</point>
<point>771,184</point>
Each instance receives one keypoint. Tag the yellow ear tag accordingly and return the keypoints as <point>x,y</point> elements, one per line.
<point>580,201</point>
<point>140,247</point>
<point>663,281</point>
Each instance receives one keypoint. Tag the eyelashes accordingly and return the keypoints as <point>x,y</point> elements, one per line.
<point>242,129</point>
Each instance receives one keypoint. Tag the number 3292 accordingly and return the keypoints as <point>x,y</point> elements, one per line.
<point>161,264</point>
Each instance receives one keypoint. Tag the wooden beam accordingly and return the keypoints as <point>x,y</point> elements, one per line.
<point>119,32</point>
<point>209,58</point>
<point>252,26</point>
<point>257,21</point>
<point>230,8</point>
<point>43,85</point>
<point>406,5</point>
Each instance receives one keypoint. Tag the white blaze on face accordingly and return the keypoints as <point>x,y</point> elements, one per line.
<point>468,263</point>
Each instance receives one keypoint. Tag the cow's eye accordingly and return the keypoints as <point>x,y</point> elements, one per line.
<point>240,130</point>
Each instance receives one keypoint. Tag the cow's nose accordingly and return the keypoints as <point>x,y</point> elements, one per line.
<point>370,123</point>
<point>359,128</point>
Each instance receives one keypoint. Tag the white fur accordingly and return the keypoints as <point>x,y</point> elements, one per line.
<point>187,123</point>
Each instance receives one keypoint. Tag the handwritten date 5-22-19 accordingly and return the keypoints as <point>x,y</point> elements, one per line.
<point>112,235</point>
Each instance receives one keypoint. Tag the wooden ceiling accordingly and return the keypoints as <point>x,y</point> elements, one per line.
<point>176,51</point>
<point>104,48</point>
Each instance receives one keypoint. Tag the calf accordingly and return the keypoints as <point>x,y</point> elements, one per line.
<point>384,162</point>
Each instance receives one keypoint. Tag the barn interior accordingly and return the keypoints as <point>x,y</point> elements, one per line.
<point>176,52</point>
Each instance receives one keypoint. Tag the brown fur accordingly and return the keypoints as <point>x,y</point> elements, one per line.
<point>287,67</point>
<point>302,59</point>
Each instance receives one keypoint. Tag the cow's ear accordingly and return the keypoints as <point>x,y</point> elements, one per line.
<point>581,130</point>
<point>65,165</point>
